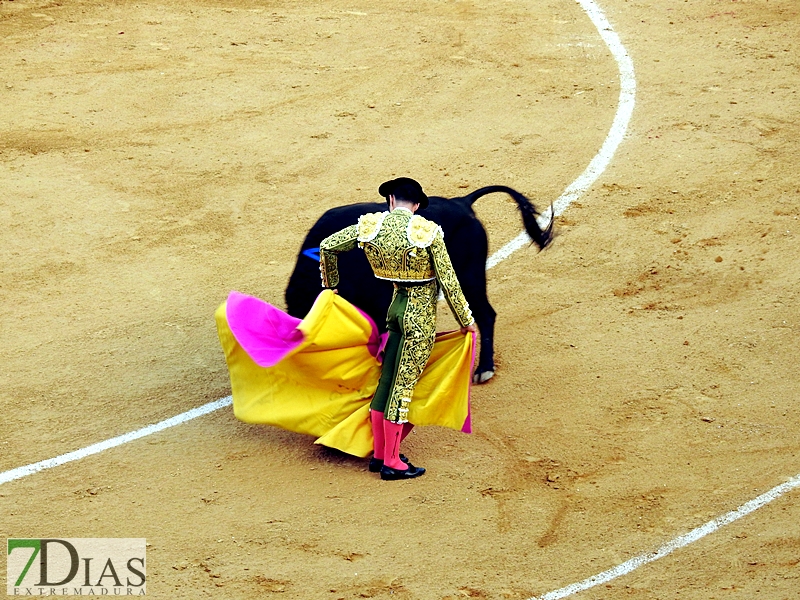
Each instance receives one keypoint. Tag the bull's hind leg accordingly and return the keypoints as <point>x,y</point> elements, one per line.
<point>484,318</point>
<point>469,263</point>
<point>475,292</point>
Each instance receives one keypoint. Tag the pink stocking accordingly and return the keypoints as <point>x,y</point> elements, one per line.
<point>407,427</point>
<point>393,433</point>
<point>376,418</point>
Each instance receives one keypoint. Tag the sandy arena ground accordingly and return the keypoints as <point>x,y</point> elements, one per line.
<point>156,155</point>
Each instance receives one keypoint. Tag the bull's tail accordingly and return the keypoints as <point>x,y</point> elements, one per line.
<point>541,237</point>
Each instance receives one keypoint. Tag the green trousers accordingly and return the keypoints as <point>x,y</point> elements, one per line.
<point>411,322</point>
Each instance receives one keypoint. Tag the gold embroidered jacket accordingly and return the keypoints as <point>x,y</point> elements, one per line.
<point>401,247</point>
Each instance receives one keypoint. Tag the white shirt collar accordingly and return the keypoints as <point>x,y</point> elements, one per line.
<point>396,208</point>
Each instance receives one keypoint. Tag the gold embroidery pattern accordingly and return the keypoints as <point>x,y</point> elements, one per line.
<point>419,332</point>
<point>341,241</point>
<point>421,232</point>
<point>391,256</point>
<point>369,225</point>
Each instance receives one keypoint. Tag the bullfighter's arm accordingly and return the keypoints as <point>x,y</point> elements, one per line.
<point>341,241</point>
<point>449,282</point>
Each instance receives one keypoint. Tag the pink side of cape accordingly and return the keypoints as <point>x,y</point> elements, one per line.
<point>266,333</point>
<point>467,428</point>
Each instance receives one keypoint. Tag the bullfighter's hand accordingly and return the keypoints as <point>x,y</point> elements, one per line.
<point>471,328</point>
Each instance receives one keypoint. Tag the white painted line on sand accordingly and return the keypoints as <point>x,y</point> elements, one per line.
<point>30,469</point>
<point>679,542</point>
<point>627,100</point>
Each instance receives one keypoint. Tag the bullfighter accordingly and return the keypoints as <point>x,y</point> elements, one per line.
<point>409,251</point>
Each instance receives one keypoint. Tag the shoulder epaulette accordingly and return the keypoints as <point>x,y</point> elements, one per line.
<point>369,225</point>
<point>421,232</point>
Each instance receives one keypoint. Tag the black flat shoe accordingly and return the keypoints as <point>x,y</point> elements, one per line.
<point>389,474</point>
<point>375,464</point>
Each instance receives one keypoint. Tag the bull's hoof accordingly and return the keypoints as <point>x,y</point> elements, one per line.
<point>482,376</point>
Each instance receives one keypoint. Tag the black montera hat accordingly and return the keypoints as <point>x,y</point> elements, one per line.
<point>404,188</point>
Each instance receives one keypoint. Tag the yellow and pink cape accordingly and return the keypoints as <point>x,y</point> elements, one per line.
<point>317,375</point>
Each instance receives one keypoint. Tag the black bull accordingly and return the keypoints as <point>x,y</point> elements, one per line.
<point>467,244</point>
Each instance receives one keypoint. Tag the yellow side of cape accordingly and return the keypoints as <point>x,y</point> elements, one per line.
<point>323,388</point>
